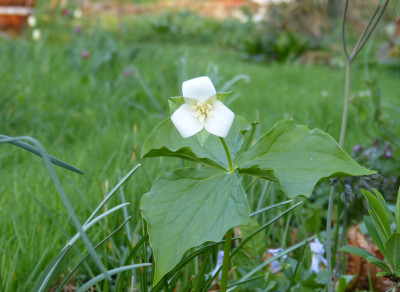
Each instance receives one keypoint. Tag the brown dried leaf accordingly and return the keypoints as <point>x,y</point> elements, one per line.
<point>360,268</point>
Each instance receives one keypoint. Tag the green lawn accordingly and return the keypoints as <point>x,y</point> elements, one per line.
<point>88,113</point>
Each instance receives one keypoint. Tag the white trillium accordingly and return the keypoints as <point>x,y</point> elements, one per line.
<point>36,34</point>
<point>202,110</point>
<point>31,21</point>
<point>318,250</point>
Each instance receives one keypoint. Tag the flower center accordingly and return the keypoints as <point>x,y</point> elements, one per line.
<point>202,110</point>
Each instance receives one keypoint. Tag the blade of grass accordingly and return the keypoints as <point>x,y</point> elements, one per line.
<point>244,241</point>
<point>59,289</point>
<point>297,266</point>
<point>16,142</point>
<point>101,277</point>
<point>110,194</point>
<point>65,200</point>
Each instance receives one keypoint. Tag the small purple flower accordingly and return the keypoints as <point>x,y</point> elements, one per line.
<point>357,148</point>
<point>85,54</point>
<point>387,154</point>
<point>78,30</point>
<point>127,72</point>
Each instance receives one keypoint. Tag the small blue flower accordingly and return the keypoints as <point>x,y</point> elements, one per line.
<point>318,250</point>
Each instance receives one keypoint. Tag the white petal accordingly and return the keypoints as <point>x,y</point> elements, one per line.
<point>220,121</point>
<point>315,263</point>
<point>324,261</point>
<point>200,88</point>
<point>186,124</point>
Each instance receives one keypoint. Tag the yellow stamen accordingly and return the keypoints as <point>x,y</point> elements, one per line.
<point>202,110</point>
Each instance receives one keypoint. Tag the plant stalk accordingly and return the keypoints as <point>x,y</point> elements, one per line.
<point>228,154</point>
<point>329,237</point>
<point>370,27</point>
<point>225,264</point>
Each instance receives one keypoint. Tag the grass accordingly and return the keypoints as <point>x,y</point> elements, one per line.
<point>95,115</point>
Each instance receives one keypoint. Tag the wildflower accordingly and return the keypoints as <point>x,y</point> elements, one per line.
<point>276,266</point>
<point>202,110</point>
<point>357,148</point>
<point>220,261</point>
<point>85,54</point>
<point>78,29</point>
<point>317,250</point>
<point>387,154</point>
<point>31,21</point>
<point>78,14</point>
<point>65,11</point>
<point>127,72</point>
<point>36,34</point>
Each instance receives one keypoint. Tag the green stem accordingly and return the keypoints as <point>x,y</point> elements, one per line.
<point>225,264</point>
<point>228,154</point>
<point>329,238</point>
<point>346,105</point>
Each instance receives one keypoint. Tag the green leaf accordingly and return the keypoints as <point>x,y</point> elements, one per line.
<point>17,141</point>
<point>344,280</point>
<point>378,226</point>
<point>392,246</point>
<point>380,213</point>
<point>379,263</point>
<point>397,212</point>
<point>188,207</point>
<point>165,140</point>
<point>46,279</point>
<point>357,251</point>
<point>116,271</point>
<point>222,96</point>
<point>381,274</point>
<point>297,158</point>
<point>384,205</point>
<point>374,234</point>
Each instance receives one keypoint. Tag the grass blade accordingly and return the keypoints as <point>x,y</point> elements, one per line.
<point>16,142</point>
<point>101,277</point>
<point>87,255</point>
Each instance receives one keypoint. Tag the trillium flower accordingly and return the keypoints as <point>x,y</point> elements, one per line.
<point>276,266</point>
<point>36,34</point>
<point>202,110</point>
<point>318,250</point>
<point>31,21</point>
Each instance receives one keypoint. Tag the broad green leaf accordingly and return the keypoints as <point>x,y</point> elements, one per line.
<point>357,251</point>
<point>379,211</point>
<point>379,263</point>
<point>374,234</point>
<point>378,226</point>
<point>397,212</point>
<point>165,140</point>
<point>392,246</point>
<point>384,205</point>
<point>188,207</point>
<point>297,158</point>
